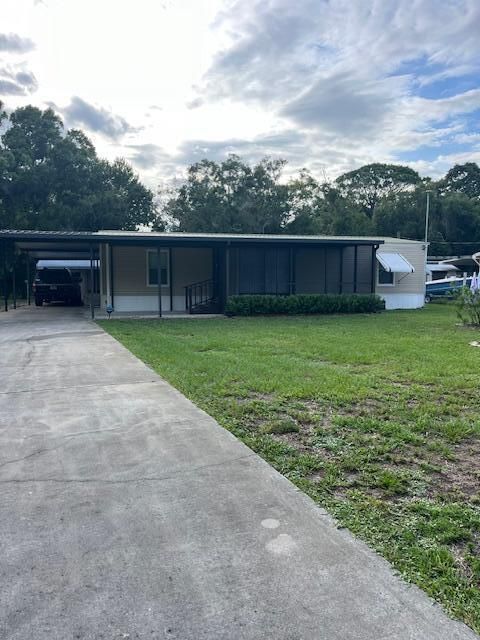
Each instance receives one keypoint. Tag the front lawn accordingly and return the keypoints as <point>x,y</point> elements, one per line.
<point>376,417</point>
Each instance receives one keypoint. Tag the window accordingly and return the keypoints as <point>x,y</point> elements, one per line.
<point>385,277</point>
<point>152,280</point>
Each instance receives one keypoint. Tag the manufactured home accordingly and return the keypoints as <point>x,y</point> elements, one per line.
<point>171,273</point>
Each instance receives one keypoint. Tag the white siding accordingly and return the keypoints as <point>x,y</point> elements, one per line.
<point>408,292</point>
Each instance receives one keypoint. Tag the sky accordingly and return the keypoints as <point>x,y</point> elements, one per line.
<point>328,85</point>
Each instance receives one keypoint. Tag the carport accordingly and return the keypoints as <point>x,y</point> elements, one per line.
<point>43,245</point>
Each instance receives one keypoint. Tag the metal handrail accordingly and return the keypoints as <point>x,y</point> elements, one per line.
<point>194,284</point>
<point>199,293</point>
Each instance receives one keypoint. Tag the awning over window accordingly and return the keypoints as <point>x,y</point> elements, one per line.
<point>394,262</point>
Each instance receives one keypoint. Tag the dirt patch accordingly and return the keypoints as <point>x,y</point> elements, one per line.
<point>401,384</point>
<point>461,475</point>
<point>298,440</point>
<point>316,476</point>
<point>256,396</point>
<point>460,553</point>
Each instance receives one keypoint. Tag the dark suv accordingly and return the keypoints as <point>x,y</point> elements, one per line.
<point>56,285</point>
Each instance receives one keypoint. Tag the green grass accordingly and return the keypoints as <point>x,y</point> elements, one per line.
<point>377,418</point>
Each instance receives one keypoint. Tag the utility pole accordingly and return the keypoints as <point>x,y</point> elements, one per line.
<point>427,214</point>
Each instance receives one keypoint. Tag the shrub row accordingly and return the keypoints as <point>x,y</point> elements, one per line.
<point>248,305</point>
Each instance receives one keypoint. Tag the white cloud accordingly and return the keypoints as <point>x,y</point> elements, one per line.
<point>17,80</point>
<point>95,119</point>
<point>13,43</point>
<point>328,84</point>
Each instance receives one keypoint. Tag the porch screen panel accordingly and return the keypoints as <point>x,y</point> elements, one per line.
<point>233,271</point>
<point>348,270</point>
<point>283,271</point>
<point>251,266</point>
<point>333,269</point>
<point>270,271</point>
<point>277,270</point>
<point>310,269</point>
<point>364,269</point>
<point>263,270</point>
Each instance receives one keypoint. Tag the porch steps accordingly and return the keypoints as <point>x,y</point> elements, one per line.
<point>210,306</point>
<point>200,297</point>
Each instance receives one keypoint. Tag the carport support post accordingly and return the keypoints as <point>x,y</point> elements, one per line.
<point>28,278</point>
<point>92,283</point>
<point>14,284</point>
<point>5,286</point>
<point>355,269</point>
<point>159,283</point>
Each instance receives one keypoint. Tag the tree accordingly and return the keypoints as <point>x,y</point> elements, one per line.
<point>230,197</point>
<point>402,215</point>
<point>371,183</point>
<point>343,216</point>
<point>454,220</point>
<point>122,198</point>
<point>52,179</point>
<point>322,209</point>
<point>306,205</point>
<point>462,178</point>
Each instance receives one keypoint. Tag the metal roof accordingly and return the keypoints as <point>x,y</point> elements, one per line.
<point>153,237</point>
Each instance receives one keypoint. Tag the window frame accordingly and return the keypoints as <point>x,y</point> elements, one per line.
<point>154,251</point>
<point>384,284</point>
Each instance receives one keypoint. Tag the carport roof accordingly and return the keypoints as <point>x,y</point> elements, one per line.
<point>52,244</point>
<point>81,240</point>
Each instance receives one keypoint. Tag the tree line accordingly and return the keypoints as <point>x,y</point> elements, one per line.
<point>376,199</point>
<point>52,178</point>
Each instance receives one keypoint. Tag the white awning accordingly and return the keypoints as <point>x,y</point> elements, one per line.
<point>394,262</point>
<point>440,266</point>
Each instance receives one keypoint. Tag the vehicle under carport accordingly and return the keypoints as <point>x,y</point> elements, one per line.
<point>47,246</point>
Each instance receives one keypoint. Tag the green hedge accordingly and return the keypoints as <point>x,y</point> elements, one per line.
<point>249,305</point>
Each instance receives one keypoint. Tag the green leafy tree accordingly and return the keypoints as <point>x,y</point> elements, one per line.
<point>402,215</point>
<point>462,178</point>
<point>343,216</point>
<point>371,183</point>
<point>454,220</point>
<point>306,205</point>
<point>230,196</point>
<point>52,179</point>
<point>322,209</point>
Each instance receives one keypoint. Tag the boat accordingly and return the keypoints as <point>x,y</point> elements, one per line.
<point>445,288</point>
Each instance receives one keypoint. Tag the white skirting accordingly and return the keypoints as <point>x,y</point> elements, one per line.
<point>137,303</point>
<point>403,300</point>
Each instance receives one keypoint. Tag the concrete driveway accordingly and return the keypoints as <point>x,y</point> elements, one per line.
<point>128,513</point>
